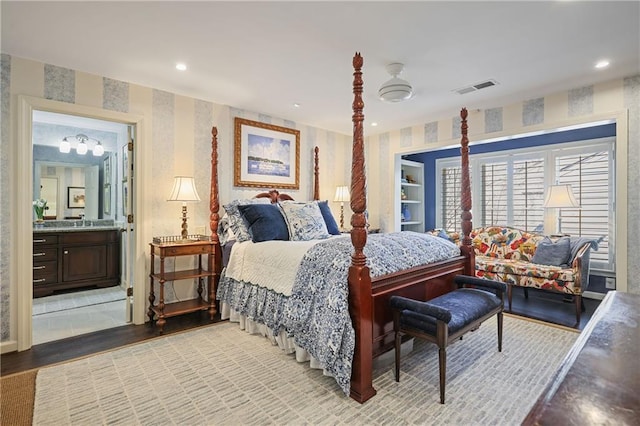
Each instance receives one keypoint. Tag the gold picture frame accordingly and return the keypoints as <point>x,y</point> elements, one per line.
<point>265,155</point>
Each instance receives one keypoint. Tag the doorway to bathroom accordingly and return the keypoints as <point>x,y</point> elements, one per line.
<point>82,173</point>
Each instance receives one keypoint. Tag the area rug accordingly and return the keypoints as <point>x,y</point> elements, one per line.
<point>79,299</point>
<point>17,393</point>
<point>220,375</point>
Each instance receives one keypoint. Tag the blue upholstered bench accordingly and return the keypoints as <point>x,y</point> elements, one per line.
<point>448,317</point>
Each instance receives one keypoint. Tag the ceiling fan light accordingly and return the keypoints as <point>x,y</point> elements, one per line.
<point>395,89</point>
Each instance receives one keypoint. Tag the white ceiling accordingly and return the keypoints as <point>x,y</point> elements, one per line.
<point>266,56</point>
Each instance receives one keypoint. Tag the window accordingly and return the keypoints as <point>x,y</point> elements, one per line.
<point>510,186</point>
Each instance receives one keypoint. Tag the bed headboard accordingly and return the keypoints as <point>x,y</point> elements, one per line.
<point>275,196</point>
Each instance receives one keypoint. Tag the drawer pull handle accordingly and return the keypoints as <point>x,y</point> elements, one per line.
<point>40,241</point>
<point>39,267</point>
<point>40,280</point>
<point>39,254</point>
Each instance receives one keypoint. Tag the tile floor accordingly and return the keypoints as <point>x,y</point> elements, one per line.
<point>71,314</point>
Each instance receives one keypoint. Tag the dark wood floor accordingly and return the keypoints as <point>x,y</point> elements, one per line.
<point>539,305</point>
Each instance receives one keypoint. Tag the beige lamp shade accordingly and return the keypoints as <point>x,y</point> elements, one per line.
<point>560,196</point>
<point>342,194</point>
<point>184,189</point>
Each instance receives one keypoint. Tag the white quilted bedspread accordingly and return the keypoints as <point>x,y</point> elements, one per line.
<point>269,264</point>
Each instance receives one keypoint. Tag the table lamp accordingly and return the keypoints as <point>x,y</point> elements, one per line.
<point>560,196</point>
<point>184,189</point>
<point>342,196</point>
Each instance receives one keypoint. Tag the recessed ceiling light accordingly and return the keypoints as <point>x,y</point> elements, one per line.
<point>297,105</point>
<point>181,67</point>
<point>602,64</point>
<point>374,124</point>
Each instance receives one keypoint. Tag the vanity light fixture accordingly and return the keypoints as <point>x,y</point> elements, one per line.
<point>602,64</point>
<point>65,146</point>
<point>81,147</point>
<point>98,150</point>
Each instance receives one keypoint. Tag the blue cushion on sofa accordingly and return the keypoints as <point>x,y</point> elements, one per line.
<point>266,222</point>
<point>552,253</point>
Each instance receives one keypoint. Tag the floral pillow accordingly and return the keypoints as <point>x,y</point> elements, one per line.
<point>237,223</point>
<point>304,220</point>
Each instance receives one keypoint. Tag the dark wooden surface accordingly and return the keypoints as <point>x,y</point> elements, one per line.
<point>99,341</point>
<point>68,260</point>
<point>599,380</point>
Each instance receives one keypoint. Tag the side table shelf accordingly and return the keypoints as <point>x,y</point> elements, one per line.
<point>163,310</point>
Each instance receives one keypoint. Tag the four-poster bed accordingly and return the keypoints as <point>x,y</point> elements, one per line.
<point>368,290</point>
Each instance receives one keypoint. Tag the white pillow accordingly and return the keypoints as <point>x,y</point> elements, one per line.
<point>304,220</point>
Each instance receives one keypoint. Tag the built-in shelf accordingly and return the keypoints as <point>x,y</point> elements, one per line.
<point>412,196</point>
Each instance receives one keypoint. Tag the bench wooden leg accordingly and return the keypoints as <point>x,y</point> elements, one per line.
<point>442,355</point>
<point>442,337</point>
<point>578,301</point>
<point>499,331</point>
<point>396,328</point>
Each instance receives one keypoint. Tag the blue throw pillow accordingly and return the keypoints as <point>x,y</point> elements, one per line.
<point>552,253</point>
<point>329,220</point>
<point>266,222</point>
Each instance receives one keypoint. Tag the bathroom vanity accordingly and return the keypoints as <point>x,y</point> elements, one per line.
<point>68,257</point>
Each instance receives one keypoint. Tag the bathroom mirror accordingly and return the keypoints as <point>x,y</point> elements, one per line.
<point>89,174</point>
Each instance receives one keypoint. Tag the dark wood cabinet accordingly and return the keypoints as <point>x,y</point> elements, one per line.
<point>67,260</point>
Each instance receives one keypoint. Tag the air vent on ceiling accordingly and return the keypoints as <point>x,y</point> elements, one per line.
<point>477,86</point>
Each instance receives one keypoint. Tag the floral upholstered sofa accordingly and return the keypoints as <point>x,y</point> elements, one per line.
<point>524,259</point>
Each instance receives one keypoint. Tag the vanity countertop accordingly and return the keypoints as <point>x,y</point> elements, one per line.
<point>57,229</point>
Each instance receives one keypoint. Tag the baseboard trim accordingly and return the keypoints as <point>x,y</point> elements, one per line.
<point>9,346</point>
<point>593,295</point>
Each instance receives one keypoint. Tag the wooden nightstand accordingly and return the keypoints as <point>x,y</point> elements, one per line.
<point>174,249</point>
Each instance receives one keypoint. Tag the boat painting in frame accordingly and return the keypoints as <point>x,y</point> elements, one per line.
<point>266,156</point>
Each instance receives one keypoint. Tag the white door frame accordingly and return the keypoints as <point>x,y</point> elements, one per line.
<point>21,289</point>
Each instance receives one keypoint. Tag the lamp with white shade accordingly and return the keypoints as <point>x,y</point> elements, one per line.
<point>342,196</point>
<point>559,197</point>
<point>184,190</point>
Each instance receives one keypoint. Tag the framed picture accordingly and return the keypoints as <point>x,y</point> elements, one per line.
<point>125,162</point>
<point>75,197</point>
<point>266,156</point>
<point>106,164</point>
<point>125,198</point>
<point>106,198</point>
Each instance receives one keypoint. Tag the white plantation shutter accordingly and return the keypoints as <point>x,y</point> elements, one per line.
<point>528,194</point>
<point>450,201</point>
<point>493,205</point>
<point>590,177</point>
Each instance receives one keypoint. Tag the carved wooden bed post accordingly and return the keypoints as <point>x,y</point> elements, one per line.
<point>466,248</point>
<point>316,175</point>
<point>214,207</point>
<point>360,299</point>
